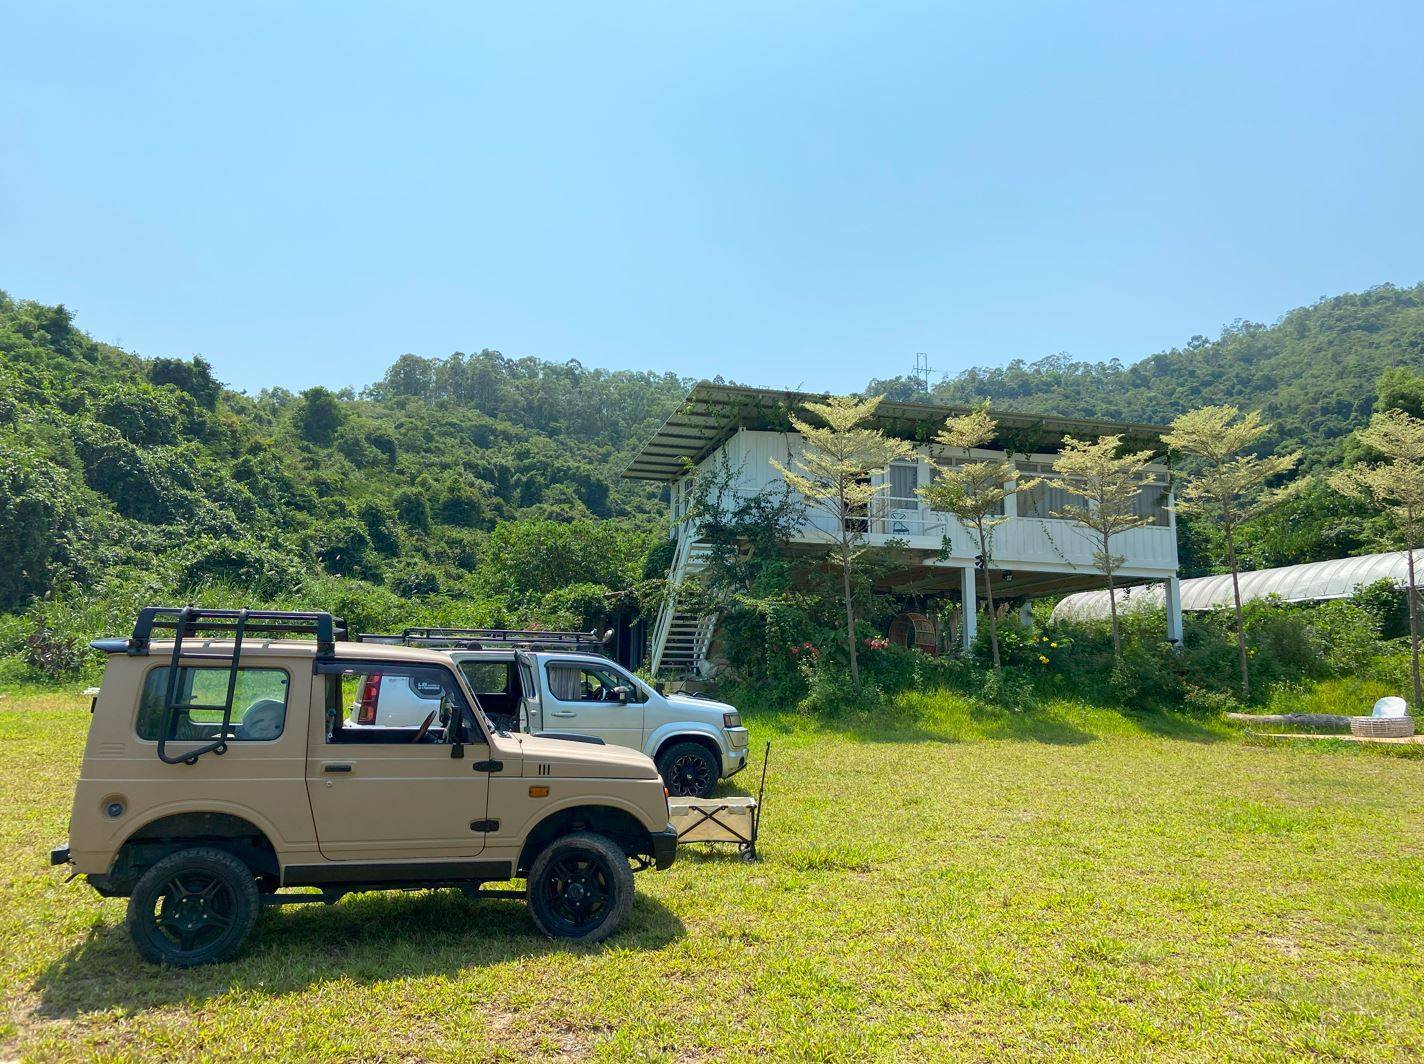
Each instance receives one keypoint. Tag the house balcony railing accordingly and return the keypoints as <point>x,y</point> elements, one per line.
<point>1017,541</point>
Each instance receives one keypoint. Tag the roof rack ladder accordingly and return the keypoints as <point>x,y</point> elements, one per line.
<point>187,620</point>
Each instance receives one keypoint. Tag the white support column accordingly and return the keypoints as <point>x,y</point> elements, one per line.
<point>969,592</point>
<point>1174,610</point>
<point>1011,501</point>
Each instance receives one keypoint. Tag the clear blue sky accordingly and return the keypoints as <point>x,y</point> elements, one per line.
<point>781,193</point>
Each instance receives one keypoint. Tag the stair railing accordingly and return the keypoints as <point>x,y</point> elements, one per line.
<point>669,606</point>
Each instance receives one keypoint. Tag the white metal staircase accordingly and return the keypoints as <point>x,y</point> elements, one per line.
<point>681,636</point>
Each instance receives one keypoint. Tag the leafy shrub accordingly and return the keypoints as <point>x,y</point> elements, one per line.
<point>145,415</point>
<point>52,655</point>
<point>1387,604</point>
<point>342,545</point>
<point>411,578</point>
<point>240,562</point>
<point>413,509</point>
<point>36,514</point>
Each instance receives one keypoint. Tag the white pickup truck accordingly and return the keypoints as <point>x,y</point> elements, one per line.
<point>530,685</point>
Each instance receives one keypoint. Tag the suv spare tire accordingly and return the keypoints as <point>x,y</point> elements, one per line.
<point>193,907</point>
<point>580,888</point>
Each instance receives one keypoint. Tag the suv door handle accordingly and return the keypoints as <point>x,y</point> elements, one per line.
<point>563,713</point>
<point>336,768</point>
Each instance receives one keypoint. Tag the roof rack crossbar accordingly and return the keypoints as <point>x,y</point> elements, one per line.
<point>495,638</point>
<point>190,621</point>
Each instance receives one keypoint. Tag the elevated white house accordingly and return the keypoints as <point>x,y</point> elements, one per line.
<point>1033,552</point>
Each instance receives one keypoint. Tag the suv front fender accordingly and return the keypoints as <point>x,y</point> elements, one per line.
<point>688,729</point>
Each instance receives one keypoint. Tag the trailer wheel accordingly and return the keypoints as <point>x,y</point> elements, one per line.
<point>688,770</point>
<point>580,888</point>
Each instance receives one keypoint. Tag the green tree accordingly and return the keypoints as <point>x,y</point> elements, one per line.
<point>194,377</point>
<point>413,509</point>
<point>319,416</point>
<point>1108,482</point>
<point>1401,388</point>
<point>974,492</point>
<point>833,473</point>
<point>1229,486</point>
<point>1395,485</point>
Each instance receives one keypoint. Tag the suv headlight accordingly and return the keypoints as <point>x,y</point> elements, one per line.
<point>732,719</point>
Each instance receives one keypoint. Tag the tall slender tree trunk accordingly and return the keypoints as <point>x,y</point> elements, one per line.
<point>1414,629</point>
<point>1109,570</point>
<point>1240,620</point>
<point>989,596</point>
<point>850,616</point>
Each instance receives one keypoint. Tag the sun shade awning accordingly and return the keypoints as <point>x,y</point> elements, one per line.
<point>712,413</point>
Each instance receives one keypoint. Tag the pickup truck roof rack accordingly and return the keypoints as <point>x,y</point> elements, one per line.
<point>496,639</point>
<point>192,622</point>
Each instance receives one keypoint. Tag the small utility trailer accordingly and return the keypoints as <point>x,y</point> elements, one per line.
<point>736,819</point>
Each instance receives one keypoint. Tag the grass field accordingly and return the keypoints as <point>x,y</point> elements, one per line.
<point>961,883</point>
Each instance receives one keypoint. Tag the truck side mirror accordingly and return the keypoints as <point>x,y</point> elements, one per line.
<point>623,692</point>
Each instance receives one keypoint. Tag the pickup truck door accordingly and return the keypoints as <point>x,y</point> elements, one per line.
<point>531,709</point>
<point>578,696</point>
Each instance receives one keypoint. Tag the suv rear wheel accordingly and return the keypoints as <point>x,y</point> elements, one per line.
<point>689,770</point>
<point>193,907</point>
<point>580,887</point>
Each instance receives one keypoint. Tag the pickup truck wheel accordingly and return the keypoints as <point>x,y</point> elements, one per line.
<point>193,907</point>
<point>580,887</point>
<point>688,770</point>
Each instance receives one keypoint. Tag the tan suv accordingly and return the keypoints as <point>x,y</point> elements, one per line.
<point>220,768</point>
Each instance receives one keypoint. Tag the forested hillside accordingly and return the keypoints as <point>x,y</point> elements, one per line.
<point>480,489</point>
<point>1314,373</point>
<point>125,477</point>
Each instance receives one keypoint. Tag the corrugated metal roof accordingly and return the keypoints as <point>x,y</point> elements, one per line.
<point>1311,582</point>
<point>711,413</point>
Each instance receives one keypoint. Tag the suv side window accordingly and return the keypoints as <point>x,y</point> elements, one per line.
<point>488,677</point>
<point>259,704</point>
<point>576,682</point>
<point>435,695</point>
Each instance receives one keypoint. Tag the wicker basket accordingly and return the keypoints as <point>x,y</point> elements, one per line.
<point>1382,727</point>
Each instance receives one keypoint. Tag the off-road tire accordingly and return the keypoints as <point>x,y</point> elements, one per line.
<point>193,907</point>
<point>598,870</point>
<point>689,770</point>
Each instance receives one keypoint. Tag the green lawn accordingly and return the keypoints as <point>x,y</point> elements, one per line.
<point>964,884</point>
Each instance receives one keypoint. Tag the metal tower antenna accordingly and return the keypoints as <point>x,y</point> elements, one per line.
<point>922,370</point>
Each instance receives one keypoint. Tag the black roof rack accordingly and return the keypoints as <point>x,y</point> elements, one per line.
<point>496,639</point>
<point>190,621</point>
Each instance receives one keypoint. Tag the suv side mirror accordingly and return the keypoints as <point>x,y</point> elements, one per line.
<point>623,692</point>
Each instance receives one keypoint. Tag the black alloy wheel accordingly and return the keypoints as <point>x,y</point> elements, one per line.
<point>580,888</point>
<point>688,771</point>
<point>193,907</point>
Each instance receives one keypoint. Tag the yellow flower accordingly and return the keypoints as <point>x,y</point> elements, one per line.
<point>1043,659</point>
<point>1053,644</point>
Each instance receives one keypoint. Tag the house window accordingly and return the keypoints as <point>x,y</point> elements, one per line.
<point>1043,500</point>
<point>1152,503</point>
<point>904,479</point>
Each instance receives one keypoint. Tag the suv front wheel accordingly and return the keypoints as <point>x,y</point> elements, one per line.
<point>689,770</point>
<point>580,887</point>
<point>193,907</point>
